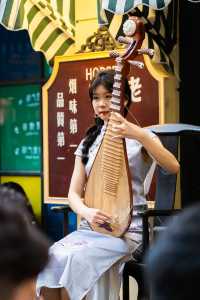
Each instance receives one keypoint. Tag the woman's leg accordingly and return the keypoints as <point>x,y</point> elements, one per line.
<point>51,294</point>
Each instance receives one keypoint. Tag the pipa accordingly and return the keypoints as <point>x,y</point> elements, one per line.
<point>109,186</point>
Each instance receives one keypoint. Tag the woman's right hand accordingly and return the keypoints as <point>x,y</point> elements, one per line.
<point>96,216</point>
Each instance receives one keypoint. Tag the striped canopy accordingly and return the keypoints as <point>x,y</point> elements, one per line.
<point>50,23</point>
<point>124,6</point>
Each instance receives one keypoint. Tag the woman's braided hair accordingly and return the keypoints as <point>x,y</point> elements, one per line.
<point>106,79</point>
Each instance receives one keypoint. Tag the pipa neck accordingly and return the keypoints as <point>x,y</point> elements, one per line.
<point>118,90</point>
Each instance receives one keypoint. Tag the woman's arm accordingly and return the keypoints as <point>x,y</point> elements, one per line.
<point>164,158</point>
<point>76,194</point>
<point>76,189</point>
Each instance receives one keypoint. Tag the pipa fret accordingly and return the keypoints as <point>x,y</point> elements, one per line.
<point>111,155</point>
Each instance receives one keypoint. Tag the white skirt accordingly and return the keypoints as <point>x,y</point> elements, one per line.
<point>78,261</point>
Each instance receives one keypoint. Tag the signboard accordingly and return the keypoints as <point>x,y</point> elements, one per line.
<point>67,113</point>
<point>20,129</point>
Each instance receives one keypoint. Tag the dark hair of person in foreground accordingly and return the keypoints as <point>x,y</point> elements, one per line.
<point>18,188</point>
<point>24,249</point>
<point>173,263</point>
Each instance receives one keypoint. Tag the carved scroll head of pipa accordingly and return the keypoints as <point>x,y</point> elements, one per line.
<point>134,35</point>
<point>109,187</point>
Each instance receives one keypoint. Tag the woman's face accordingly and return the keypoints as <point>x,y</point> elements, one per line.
<point>101,102</point>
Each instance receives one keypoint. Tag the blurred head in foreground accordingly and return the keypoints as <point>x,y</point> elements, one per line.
<point>173,263</point>
<point>24,250</point>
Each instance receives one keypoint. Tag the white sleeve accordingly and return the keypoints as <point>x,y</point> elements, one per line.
<point>150,173</point>
<point>149,177</point>
<point>79,149</point>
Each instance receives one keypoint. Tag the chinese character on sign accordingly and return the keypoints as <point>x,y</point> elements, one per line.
<point>20,102</point>
<point>28,98</point>
<point>36,97</point>
<point>73,106</point>
<point>31,126</point>
<point>35,150</point>
<point>37,125</point>
<point>73,126</point>
<point>17,151</point>
<point>24,126</point>
<point>60,100</point>
<point>135,89</point>
<point>72,86</point>
<point>60,119</point>
<point>60,139</point>
<point>16,129</point>
<point>24,149</point>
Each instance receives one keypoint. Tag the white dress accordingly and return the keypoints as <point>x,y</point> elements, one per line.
<point>88,263</point>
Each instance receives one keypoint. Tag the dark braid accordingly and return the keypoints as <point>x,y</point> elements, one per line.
<point>91,135</point>
<point>105,78</point>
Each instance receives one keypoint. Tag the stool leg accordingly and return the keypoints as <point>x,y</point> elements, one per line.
<point>66,222</point>
<point>125,287</point>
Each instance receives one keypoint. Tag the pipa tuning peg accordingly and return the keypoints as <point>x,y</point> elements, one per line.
<point>149,52</point>
<point>136,63</point>
<point>114,54</point>
<point>123,40</point>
